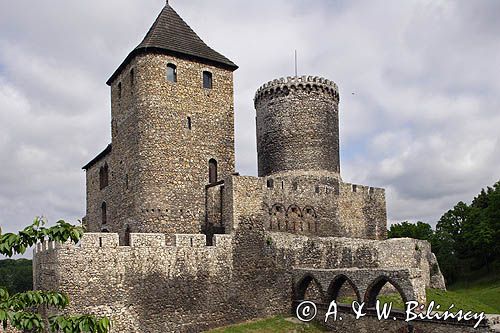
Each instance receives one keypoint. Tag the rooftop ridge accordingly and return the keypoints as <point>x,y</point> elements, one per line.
<point>297,82</point>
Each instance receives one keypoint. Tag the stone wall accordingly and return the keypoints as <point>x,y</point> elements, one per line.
<point>159,164</point>
<point>317,203</point>
<point>178,284</point>
<point>297,125</point>
<point>333,252</point>
<point>145,287</point>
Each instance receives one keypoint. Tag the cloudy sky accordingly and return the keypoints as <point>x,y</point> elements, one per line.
<point>419,84</point>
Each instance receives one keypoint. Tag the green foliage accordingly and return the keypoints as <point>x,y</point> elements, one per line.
<point>16,275</point>
<point>85,323</point>
<point>467,237</point>
<point>420,230</point>
<point>62,232</point>
<point>22,310</point>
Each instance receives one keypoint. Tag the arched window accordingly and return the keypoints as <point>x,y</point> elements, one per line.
<point>212,171</point>
<point>171,73</point>
<point>207,80</point>
<point>104,213</point>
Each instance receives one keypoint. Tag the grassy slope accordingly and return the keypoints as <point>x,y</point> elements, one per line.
<point>481,297</point>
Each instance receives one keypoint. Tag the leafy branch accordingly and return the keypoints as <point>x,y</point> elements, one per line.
<point>21,310</point>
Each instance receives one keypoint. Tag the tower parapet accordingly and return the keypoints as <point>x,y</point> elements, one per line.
<point>297,82</point>
<point>298,125</point>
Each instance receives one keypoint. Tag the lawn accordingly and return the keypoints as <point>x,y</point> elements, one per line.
<point>270,325</point>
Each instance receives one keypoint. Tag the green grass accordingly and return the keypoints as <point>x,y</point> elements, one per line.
<point>466,300</point>
<point>270,325</point>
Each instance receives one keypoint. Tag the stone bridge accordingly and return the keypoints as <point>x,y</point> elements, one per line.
<point>366,283</point>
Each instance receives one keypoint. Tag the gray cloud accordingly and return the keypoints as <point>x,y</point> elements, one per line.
<point>422,122</point>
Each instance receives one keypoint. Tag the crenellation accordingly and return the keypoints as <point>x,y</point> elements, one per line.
<point>290,83</point>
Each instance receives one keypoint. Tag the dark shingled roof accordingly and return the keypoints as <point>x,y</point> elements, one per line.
<point>170,34</point>
<point>96,159</point>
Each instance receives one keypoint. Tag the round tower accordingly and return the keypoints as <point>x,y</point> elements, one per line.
<point>298,125</point>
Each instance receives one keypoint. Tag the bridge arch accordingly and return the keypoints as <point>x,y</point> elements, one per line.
<point>336,286</point>
<point>374,288</point>
<point>308,286</point>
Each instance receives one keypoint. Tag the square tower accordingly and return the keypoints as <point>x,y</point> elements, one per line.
<point>172,134</point>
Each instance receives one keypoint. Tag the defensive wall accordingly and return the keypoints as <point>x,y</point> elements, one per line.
<point>178,284</point>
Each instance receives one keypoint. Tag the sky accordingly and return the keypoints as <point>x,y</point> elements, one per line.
<point>419,84</point>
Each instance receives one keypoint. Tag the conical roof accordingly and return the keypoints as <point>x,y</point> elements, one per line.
<point>172,35</point>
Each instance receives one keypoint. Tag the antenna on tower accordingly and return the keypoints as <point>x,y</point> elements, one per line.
<point>296,72</point>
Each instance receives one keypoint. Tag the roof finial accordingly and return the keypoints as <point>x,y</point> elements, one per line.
<point>166,2</point>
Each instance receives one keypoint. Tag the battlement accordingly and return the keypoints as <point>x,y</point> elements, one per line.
<point>293,183</point>
<point>355,188</point>
<point>284,85</point>
<point>137,240</point>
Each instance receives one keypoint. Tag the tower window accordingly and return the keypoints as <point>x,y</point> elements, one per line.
<point>132,77</point>
<point>207,80</point>
<point>212,171</point>
<point>270,183</point>
<point>120,90</point>
<point>104,213</point>
<point>171,73</point>
<point>103,176</point>
<point>189,124</point>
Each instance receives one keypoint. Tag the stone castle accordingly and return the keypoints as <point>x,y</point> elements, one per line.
<point>177,241</point>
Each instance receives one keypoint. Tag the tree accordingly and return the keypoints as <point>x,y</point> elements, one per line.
<point>420,230</point>
<point>23,310</point>
<point>16,275</point>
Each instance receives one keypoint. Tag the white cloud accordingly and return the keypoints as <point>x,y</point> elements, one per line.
<point>422,122</point>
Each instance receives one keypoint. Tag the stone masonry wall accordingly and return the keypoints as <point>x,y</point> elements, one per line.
<point>96,196</point>
<point>311,203</point>
<point>362,212</point>
<point>159,165</point>
<point>297,125</point>
<point>145,287</point>
<point>333,252</point>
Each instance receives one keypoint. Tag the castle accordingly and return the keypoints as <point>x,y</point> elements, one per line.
<point>177,241</point>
